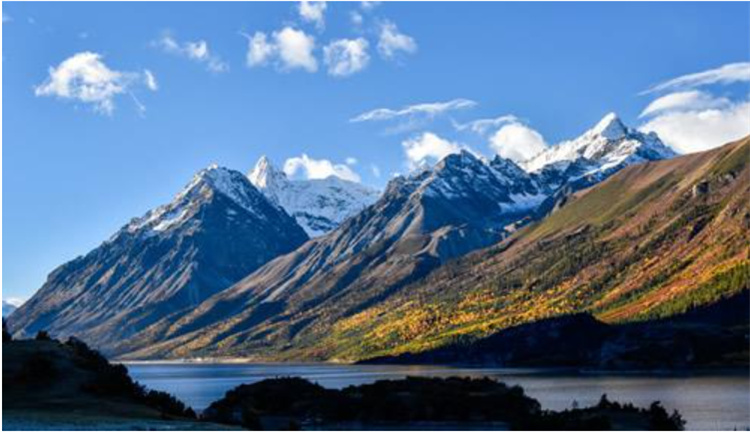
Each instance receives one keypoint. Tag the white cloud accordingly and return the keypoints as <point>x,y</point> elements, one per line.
<point>313,11</point>
<point>351,161</point>
<point>345,57</point>
<point>729,73</point>
<point>701,129</point>
<point>197,51</point>
<point>357,18</point>
<point>427,148</point>
<point>369,5</point>
<point>482,126</point>
<point>85,78</point>
<point>295,49</point>
<point>150,80</point>
<point>693,120</point>
<point>517,142</point>
<point>375,170</point>
<point>288,49</point>
<point>259,49</point>
<point>391,41</point>
<point>686,100</point>
<point>310,168</point>
<point>430,109</point>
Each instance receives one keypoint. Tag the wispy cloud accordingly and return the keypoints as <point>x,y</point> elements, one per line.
<point>197,51</point>
<point>287,49</point>
<point>430,109</point>
<point>85,78</point>
<point>314,12</point>
<point>306,167</point>
<point>392,42</point>
<point>482,126</point>
<point>345,57</point>
<point>150,80</point>
<point>682,101</point>
<point>375,170</point>
<point>729,73</point>
<point>689,119</point>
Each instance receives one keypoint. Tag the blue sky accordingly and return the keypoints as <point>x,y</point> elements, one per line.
<point>177,86</point>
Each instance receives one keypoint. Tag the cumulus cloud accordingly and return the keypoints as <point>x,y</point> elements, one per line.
<point>85,78</point>
<point>306,167</point>
<point>430,109</point>
<point>345,57</point>
<point>702,129</point>
<point>288,49</point>
<point>313,12</point>
<point>428,148</point>
<point>391,41</point>
<point>482,126</point>
<point>686,100</point>
<point>517,142</point>
<point>727,74</point>
<point>691,120</point>
<point>197,51</point>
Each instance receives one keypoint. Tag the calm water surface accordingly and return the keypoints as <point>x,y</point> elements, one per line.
<point>707,401</point>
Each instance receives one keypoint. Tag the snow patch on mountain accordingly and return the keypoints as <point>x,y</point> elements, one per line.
<point>318,205</point>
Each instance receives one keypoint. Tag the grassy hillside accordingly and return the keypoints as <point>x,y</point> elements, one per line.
<point>653,241</point>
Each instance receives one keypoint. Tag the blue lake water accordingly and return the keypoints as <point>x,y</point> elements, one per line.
<point>708,401</point>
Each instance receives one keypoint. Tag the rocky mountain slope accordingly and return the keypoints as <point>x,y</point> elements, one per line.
<point>218,229</point>
<point>318,205</point>
<point>420,223</point>
<point>653,241</point>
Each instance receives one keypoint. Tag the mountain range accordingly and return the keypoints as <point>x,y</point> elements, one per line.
<point>458,250</point>
<point>217,229</point>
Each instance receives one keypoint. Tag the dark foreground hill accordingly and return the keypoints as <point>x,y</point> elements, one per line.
<point>420,404</point>
<point>49,384</point>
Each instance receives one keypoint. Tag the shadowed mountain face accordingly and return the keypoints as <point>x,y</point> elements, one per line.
<point>421,222</point>
<point>216,231</point>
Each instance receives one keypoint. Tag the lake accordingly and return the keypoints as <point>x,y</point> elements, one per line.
<point>708,401</point>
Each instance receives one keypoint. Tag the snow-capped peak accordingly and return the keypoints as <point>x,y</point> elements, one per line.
<point>265,175</point>
<point>609,127</point>
<point>213,179</point>
<point>318,205</point>
<point>607,145</point>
